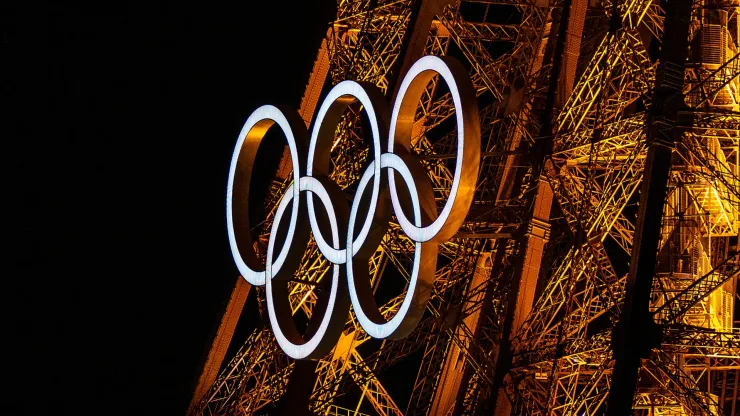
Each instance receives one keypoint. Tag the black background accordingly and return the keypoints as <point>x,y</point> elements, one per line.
<point>119,119</point>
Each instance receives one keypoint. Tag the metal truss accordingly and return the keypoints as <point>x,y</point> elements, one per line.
<point>528,293</point>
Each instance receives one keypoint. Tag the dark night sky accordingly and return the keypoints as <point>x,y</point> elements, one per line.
<point>118,123</point>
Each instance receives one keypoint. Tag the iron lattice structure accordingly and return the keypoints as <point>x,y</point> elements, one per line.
<point>609,191</point>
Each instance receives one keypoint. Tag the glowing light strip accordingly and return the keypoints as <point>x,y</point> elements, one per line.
<point>327,321</point>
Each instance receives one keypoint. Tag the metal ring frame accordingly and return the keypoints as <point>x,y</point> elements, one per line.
<point>350,245</point>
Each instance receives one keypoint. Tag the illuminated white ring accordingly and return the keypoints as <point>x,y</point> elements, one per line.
<point>374,328</point>
<point>295,348</point>
<point>424,69</point>
<point>347,90</point>
<point>251,135</point>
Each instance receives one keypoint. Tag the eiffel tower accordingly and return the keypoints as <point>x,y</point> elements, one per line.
<point>597,270</point>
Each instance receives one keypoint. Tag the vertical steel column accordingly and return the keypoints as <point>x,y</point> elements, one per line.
<point>423,13</point>
<point>297,395</point>
<point>453,380</point>
<point>521,298</point>
<point>635,333</point>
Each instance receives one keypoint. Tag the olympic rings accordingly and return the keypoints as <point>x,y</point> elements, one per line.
<point>352,244</point>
